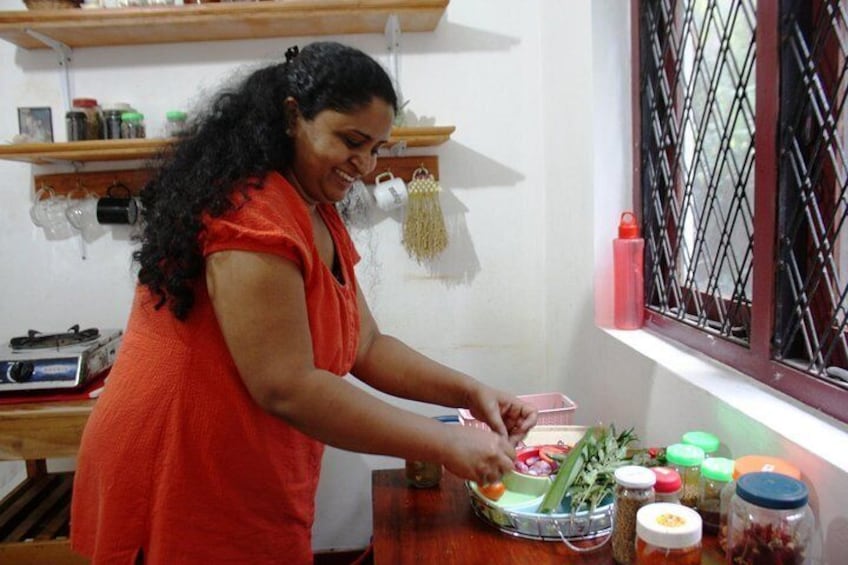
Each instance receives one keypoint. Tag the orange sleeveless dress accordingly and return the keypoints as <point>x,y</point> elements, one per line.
<point>176,458</point>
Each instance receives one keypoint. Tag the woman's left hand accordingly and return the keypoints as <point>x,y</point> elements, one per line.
<point>504,413</point>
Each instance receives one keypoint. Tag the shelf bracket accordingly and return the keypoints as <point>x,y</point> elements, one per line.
<point>63,52</point>
<point>393,35</point>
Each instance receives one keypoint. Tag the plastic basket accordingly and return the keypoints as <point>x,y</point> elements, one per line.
<point>554,409</point>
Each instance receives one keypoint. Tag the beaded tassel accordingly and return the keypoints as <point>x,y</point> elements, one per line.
<point>424,233</point>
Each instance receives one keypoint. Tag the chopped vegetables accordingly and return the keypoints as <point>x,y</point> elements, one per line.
<point>571,467</point>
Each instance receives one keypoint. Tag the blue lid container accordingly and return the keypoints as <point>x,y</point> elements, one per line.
<point>772,490</point>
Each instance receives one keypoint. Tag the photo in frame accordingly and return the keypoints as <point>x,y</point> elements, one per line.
<point>36,124</point>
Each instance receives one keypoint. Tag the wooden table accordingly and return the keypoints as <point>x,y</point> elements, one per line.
<point>438,526</point>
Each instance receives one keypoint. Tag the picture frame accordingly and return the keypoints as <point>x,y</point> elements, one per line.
<point>36,124</point>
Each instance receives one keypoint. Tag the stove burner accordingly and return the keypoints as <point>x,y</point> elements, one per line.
<point>37,340</point>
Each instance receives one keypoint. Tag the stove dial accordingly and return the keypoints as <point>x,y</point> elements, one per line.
<point>21,371</point>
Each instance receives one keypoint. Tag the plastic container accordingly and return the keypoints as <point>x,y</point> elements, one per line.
<point>628,256</point>
<point>668,534</point>
<point>742,466</point>
<point>75,125</point>
<point>93,117</point>
<point>132,125</point>
<point>686,460</point>
<point>175,122</point>
<point>716,472</point>
<point>634,488</point>
<point>769,520</point>
<point>669,485</point>
<point>554,409</point>
<point>705,440</point>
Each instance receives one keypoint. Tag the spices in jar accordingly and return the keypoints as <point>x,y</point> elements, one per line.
<point>742,466</point>
<point>93,118</point>
<point>634,488</point>
<point>112,123</point>
<point>423,474</point>
<point>769,520</point>
<point>132,126</point>
<point>668,534</point>
<point>669,485</point>
<point>705,440</point>
<point>686,460</point>
<point>175,122</point>
<point>75,125</point>
<point>716,472</point>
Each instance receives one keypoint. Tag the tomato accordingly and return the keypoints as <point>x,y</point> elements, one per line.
<point>492,491</point>
<point>546,452</point>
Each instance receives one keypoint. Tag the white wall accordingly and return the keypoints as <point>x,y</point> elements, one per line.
<point>534,179</point>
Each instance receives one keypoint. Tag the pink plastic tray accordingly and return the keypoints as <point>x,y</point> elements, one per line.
<point>554,408</point>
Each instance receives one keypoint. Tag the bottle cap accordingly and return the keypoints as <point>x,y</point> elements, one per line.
<point>84,102</point>
<point>668,480</point>
<point>772,490</point>
<point>175,115</point>
<point>627,226</point>
<point>753,463</point>
<point>635,476</point>
<point>669,526</point>
<point>131,117</point>
<point>717,469</point>
<point>705,440</point>
<point>684,454</point>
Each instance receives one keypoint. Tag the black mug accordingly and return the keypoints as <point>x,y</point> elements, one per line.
<point>113,209</point>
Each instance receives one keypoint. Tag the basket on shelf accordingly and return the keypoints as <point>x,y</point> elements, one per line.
<point>52,4</point>
<point>554,409</point>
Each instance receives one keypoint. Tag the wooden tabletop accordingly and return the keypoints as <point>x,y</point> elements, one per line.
<point>39,430</point>
<point>437,525</point>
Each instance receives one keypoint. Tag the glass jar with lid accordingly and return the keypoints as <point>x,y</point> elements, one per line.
<point>669,485</point>
<point>716,472</point>
<point>742,466</point>
<point>175,122</point>
<point>686,460</point>
<point>93,118</point>
<point>705,440</point>
<point>634,488</point>
<point>668,534</point>
<point>769,520</point>
<point>132,126</point>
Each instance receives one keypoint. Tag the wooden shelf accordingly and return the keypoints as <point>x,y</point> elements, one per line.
<point>140,149</point>
<point>216,22</point>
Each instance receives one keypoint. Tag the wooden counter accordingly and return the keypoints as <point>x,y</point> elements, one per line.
<point>437,525</point>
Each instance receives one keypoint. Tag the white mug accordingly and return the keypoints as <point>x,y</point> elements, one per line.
<point>49,214</point>
<point>390,191</point>
<point>82,215</point>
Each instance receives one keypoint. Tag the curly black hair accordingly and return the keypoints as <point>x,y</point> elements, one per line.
<point>241,135</point>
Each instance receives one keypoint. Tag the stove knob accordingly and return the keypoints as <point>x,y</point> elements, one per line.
<point>21,371</point>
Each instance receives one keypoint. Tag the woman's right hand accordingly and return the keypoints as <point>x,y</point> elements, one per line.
<point>478,455</point>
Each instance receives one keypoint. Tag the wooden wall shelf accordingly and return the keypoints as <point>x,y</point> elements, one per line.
<point>140,149</point>
<point>216,22</point>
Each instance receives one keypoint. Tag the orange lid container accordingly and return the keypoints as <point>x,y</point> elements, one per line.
<point>754,463</point>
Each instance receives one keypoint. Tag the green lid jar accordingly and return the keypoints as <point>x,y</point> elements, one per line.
<point>175,122</point>
<point>132,125</point>
<point>716,472</point>
<point>705,440</point>
<point>686,460</point>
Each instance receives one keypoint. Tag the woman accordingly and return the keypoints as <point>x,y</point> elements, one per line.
<point>206,444</point>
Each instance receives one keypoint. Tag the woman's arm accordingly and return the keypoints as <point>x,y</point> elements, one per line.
<point>261,308</point>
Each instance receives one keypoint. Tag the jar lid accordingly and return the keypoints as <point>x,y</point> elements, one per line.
<point>176,115</point>
<point>753,463</point>
<point>705,440</point>
<point>668,480</point>
<point>717,469</point>
<point>635,476</point>
<point>684,454</point>
<point>84,102</point>
<point>123,106</point>
<point>667,525</point>
<point>772,490</point>
<point>131,117</point>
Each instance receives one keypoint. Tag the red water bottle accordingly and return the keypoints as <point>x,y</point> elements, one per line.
<point>628,250</point>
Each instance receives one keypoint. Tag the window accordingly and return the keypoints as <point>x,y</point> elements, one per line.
<point>742,183</point>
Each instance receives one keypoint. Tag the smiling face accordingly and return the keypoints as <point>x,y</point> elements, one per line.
<point>335,149</point>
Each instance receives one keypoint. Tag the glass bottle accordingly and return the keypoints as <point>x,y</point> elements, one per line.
<point>668,534</point>
<point>634,488</point>
<point>628,251</point>
<point>686,460</point>
<point>705,440</point>
<point>742,466</point>
<point>716,472</point>
<point>669,485</point>
<point>769,520</point>
<point>93,117</point>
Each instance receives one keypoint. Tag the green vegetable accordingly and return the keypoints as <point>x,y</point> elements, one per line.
<point>567,474</point>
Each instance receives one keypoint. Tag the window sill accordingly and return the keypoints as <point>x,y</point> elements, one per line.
<point>784,416</point>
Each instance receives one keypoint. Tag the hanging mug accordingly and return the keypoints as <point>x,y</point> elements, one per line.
<point>113,209</point>
<point>389,191</point>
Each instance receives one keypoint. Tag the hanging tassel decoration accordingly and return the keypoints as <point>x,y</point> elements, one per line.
<point>424,233</point>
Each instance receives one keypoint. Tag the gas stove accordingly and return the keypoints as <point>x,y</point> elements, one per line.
<point>57,361</point>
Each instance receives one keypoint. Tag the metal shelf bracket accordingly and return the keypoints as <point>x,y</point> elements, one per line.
<point>63,53</point>
<point>393,36</point>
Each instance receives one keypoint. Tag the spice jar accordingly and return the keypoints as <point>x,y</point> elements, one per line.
<point>93,119</point>
<point>634,488</point>
<point>716,472</point>
<point>743,466</point>
<point>668,534</point>
<point>669,485</point>
<point>75,125</point>
<point>705,440</point>
<point>175,122</point>
<point>132,126</point>
<point>769,520</point>
<point>686,460</point>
